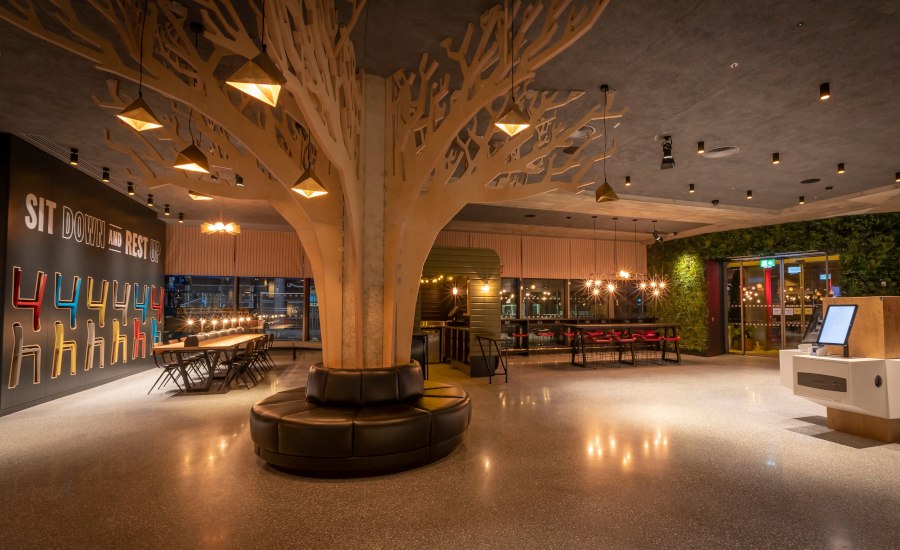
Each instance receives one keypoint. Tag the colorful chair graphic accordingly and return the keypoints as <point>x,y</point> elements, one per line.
<point>139,337</point>
<point>157,305</point>
<point>72,303</point>
<point>119,341</point>
<point>21,351</point>
<point>93,341</point>
<point>155,334</point>
<point>141,306</point>
<point>100,304</point>
<point>123,305</point>
<point>60,346</point>
<point>33,303</point>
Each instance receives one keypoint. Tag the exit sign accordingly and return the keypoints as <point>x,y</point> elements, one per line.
<point>767,263</point>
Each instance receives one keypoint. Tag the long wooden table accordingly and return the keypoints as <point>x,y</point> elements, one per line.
<point>213,351</point>
<point>578,344</point>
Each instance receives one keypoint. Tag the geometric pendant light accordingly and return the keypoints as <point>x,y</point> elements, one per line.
<point>138,114</point>
<point>605,192</point>
<point>512,119</point>
<point>191,158</point>
<point>259,78</point>
<point>220,227</point>
<point>308,185</point>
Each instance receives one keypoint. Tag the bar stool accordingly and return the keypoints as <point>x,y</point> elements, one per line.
<point>623,340</point>
<point>674,340</point>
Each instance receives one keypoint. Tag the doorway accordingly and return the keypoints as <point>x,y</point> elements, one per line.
<point>770,299</point>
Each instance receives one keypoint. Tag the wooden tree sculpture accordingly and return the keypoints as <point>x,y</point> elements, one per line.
<point>441,149</point>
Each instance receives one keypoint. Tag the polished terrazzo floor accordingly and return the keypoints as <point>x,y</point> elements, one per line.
<point>709,454</point>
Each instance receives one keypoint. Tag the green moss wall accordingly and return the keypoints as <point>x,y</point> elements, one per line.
<point>870,259</point>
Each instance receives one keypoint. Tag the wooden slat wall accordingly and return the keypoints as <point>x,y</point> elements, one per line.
<point>550,257</point>
<point>259,253</point>
<point>508,247</point>
<point>269,254</point>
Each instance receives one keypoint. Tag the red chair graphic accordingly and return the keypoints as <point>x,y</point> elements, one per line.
<point>119,342</point>
<point>60,346</point>
<point>93,341</point>
<point>98,304</point>
<point>33,303</point>
<point>139,337</point>
<point>20,352</point>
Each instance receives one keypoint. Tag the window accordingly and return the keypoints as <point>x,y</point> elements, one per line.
<point>509,298</point>
<point>543,297</point>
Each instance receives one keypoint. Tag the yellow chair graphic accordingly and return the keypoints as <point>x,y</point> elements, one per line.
<point>119,341</point>
<point>60,346</point>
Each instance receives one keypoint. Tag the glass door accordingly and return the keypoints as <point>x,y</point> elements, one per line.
<point>762,307</point>
<point>735,316</point>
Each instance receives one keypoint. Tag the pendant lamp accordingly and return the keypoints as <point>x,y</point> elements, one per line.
<point>259,78</point>
<point>230,228</point>
<point>191,158</point>
<point>605,192</point>
<point>138,114</point>
<point>308,185</point>
<point>512,119</point>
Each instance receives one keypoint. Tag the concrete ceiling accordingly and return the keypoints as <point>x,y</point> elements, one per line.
<point>727,73</point>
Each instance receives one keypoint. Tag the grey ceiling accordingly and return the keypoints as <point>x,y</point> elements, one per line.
<point>670,62</point>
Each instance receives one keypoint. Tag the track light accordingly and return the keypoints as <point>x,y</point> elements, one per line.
<point>628,181</point>
<point>776,158</point>
<point>192,159</point>
<point>802,199</point>
<point>700,148</point>
<point>73,156</point>
<point>840,168</point>
<point>691,188</point>
<point>181,217</point>
<point>104,177</point>
<point>238,180</point>
<point>668,161</point>
<point>130,189</point>
<point>308,185</point>
<point>656,236</point>
<point>199,196</point>
<point>824,91</point>
<point>749,194</point>
<point>167,212</point>
<point>150,201</point>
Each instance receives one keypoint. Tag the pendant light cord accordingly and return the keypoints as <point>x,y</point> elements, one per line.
<point>141,54</point>
<point>605,112</point>
<point>512,57</point>
<point>615,242</point>
<point>191,112</point>
<point>595,243</point>
<point>262,34</point>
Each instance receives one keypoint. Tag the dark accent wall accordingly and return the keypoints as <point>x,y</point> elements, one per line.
<point>82,263</point>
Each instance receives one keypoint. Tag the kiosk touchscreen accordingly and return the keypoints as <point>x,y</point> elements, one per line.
<point>836,326</point>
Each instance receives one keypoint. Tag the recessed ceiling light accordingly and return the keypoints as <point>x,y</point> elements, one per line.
<point>800,24</point>
<point>734,65</point>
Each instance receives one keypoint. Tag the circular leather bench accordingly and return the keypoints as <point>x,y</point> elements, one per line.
<point>360,422</point>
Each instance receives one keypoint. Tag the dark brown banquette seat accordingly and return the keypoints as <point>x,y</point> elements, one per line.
<point>351,422</point>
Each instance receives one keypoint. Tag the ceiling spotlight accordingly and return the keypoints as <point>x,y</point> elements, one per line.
<point>167,212</point>
<point>73,156</point>
<point>802,199</point>
<point>199,196</point>
<point>192,159</point>
<point>656,236</point>
<point>700,148</point>
<point>181,217</point>
<point>104,177</point>
<point>691,188</point>
<point>150,200</point>
<point>749,194</point>
<point>668,161</point>
<point>130,189</point>
<point>238,180</point>
<point>776,158</point>
<point>840,168</point>
<point>628,180</point>
<point>308,185</point>
<point>824,91</point>
<point>897,177</point>
<point>715,202</point>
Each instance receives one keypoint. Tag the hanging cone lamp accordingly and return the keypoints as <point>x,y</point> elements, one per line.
<point>192,159</point>
<point>605,193</point>
<point>512,119</point>
<point>308,185</point>
<point>259,78</point>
